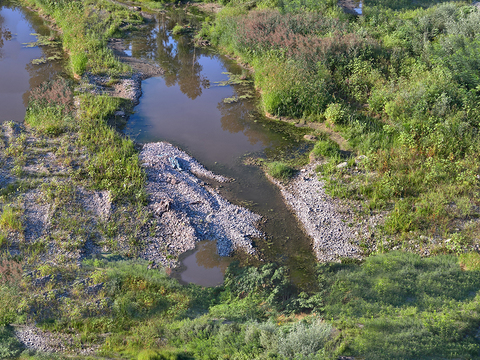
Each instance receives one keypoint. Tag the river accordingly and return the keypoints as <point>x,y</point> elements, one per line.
<point>20,69</point>
<point>194,106</point>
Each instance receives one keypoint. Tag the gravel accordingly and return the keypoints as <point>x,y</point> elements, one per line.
<point>189,210</point>
<point>332,238</point>
<point>35,339</point>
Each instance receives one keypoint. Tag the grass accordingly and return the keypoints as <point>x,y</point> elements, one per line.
<point>396,306</point>
<point>85,32</point>
<point>420,166</point>
<point>10,219</point>
<point>279,170</point>
<point>400,306</point>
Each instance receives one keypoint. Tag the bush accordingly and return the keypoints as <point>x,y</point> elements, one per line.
<point>336,113</point>
<point>10,347</point>
<point>305,339</point>
<point>279,170</point>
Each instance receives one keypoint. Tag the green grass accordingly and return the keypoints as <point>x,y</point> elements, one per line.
<point>400,306</point>
<point>279,170</point>
<point>394,306</point>
<point>403,93</point>
<point>10,219</point>
<point>86,27</point>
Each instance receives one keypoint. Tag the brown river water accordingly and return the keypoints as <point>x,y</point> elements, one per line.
<point>186,107</point>
<point>18,75</point>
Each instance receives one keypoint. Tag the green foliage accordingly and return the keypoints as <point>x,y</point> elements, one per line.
<point>336,113</point>
<point>326,148</point>
<point>400,85</point>
<point>114,165</point>
<point>305,340</point>
<point>470,261</point>
<point>49,120</point>
<point>85,32</point>
<point>10,347</point>
<point>279,170</point>
<point>10,219</point>
<point>407,307</point>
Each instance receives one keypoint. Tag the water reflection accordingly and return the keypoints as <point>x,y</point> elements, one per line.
<point>17,74</point>
<point>204,266</point>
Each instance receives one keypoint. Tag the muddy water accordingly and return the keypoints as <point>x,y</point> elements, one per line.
<point>18,75</point>
<point>190,107</point>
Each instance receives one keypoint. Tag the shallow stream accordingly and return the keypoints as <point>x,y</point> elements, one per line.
<point>23,65</point>
<point>194,106</point>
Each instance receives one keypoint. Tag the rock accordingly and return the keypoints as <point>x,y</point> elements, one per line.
<point>310,137</point>
<point>137,8</point>
<point>94,289</point>
<point>120,113</point>
<point>342,165</point>
<point>41,282</point>
<point>359,159</point>
<point>209,217</point>
<point>162,206</point>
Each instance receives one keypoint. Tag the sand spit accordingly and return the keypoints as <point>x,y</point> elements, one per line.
<point>187,209</point>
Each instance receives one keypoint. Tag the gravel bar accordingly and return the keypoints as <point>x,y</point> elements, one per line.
<point>332,238</point>
<point>188,209</point>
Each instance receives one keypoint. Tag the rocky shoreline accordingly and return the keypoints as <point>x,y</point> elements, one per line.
<point>334,227</point>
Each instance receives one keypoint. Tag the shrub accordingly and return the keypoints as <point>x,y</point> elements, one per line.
<point>10,347</point>
<point>305,339</point>
<point>279,170</point>
<point>336,113</point>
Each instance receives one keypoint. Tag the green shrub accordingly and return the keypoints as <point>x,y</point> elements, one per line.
<point>10,347</point>
<point>177,29</point>
<point>336,113</point>
<point>305,339</point>
<point>279,170</point>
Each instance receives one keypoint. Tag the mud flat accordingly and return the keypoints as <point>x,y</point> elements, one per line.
<point>188,210</point>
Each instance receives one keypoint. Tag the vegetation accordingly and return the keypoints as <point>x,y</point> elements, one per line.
<point>279,170</point>
<point>394,306</point>
<point>399,83</point>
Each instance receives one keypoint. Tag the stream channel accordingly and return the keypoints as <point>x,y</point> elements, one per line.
<point>23,64</point>
<point>194,107</point>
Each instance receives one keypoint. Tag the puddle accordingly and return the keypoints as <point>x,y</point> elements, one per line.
<point>219,126</point>
<point>203,266</point>
<point>17,73</point>
<point>358,8</point>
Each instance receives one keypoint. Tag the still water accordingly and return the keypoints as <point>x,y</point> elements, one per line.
<point>219,124</point>
<point>18,75</point>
